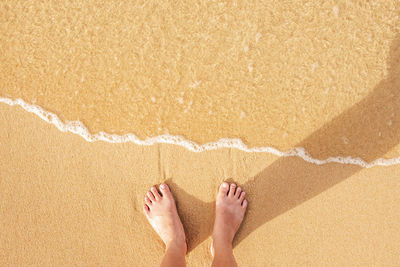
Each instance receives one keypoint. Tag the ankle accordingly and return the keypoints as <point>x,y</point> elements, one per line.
<point>178,246</point>
<point>222,240</point>
<point>222,247</point>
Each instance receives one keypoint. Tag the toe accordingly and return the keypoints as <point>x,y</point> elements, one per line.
<point>165,190</point>
<point>146,209</point>
<point>242,196</point>
<point>244,205</point>
<point>232,190</point>
<point>151,196</point>
<point>147,201</point>
<point>223,189</point>
<point>238,191</point>
<point>155,193</point>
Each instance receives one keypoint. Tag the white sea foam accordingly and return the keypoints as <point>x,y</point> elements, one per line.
<point>78,128</point>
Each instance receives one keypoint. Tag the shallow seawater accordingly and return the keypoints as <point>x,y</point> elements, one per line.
<point>320,76</point>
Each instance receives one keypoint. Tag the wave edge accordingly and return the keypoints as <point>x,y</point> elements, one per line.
<point>80,129</point>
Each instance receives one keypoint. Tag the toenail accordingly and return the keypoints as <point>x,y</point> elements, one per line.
<point>225,185</point>
<point>163,186</point>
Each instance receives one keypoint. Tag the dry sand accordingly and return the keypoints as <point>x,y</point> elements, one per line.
<point>65,201</point>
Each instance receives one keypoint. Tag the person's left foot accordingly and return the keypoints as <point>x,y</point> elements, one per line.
<point>230,209</point>
<point>160,210</point>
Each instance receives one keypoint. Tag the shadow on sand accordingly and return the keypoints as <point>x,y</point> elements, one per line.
<point>372,128</point>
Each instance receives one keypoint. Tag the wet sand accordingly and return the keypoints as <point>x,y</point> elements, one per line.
<point>66,201</point>
<point>269,74</point>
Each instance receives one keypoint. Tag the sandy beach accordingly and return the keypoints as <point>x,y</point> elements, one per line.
<point>66,201</point>
<point>323,77</point>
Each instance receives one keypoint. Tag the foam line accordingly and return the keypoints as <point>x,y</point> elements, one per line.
<point>78,128</point>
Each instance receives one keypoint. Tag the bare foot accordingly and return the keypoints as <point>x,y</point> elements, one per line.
<point>230,209</point>
<point>160,210</point>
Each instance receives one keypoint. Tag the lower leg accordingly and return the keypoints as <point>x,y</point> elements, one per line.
<point>174,256</point>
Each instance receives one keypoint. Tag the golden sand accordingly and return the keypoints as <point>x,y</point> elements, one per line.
<point>271,73</point>
<point>65,201</point>
<point>323,75</point>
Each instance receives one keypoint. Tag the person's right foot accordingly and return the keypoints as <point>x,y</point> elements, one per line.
<point>230,209</point>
